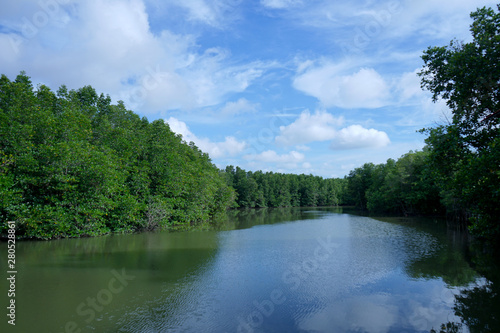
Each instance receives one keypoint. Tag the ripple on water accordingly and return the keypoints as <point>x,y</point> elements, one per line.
<point>329,286</point>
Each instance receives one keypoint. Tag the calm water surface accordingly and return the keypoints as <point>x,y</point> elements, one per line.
<point>295,270</point>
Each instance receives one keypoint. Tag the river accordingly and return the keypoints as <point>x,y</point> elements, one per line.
<point>271,270</point>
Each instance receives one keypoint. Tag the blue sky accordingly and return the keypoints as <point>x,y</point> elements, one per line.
<point>295,86</point>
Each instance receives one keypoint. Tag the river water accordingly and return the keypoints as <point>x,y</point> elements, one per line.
<point>281,270</point>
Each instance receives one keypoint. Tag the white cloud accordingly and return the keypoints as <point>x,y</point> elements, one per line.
<point>181,128</point>
<point>229,147</point>
<point>356,136</point>
<point>240,106</point>
<point>200,10</point>
<point>110,45</point>
<point>334,85</point>
<point>163,57</point>
<point>400,19</point>
<point>322,126</point>
<point>319,126</point>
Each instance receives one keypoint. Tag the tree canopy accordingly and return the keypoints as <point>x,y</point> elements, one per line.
<point>259,189</point>
<point>405,186</point>
<point>465,152</point>
<point>73,164</point>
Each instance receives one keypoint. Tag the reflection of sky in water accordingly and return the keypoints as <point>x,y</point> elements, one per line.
<point>389,305</point>
<point>359,286</point>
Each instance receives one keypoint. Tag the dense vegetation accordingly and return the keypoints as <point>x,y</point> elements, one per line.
<point>258,189</point>
<point>406,186</point>
<point>72,164</point>
<point>465,153</point>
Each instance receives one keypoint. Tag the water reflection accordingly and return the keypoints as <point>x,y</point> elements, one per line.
<point>478,306</point>
<point>56,277</point>
<point>268,270</point>
<point>471,274</point>
<point>384,299</point>
<point>247,218</point>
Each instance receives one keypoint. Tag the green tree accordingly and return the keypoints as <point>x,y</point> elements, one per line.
<point>464,153</point>
<point>359,181</point>
<point>73,164</point>
<point>258,189</point>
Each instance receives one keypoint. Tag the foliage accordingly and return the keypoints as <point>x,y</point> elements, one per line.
<point>259,189</point>
<point>465,153</point>
<point>404,187</point>
<point>471,302</point>
<point>72,164</point>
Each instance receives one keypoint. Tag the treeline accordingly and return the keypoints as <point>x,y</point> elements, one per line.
<point>72,164</point>
<point>407,186</point>
<point>259,189</point>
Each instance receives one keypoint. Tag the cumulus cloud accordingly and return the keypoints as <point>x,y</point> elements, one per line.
<point>356,136</point>
<point>319,126</point>
<point>110,45</point>
<point>229,147</point>
<point>323,126</point>
<point>335,85</point>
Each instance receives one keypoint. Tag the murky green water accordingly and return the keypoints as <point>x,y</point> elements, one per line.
<point>315,270</point>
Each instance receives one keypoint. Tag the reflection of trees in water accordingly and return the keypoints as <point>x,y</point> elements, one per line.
<point>479,306</point>
<point>448,260</point>
<point>479,309</point>
<point>466,266</point>
<point>448,264</point>
<point>249,217</point>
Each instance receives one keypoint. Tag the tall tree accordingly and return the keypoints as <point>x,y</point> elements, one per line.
<point>465,152</point>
